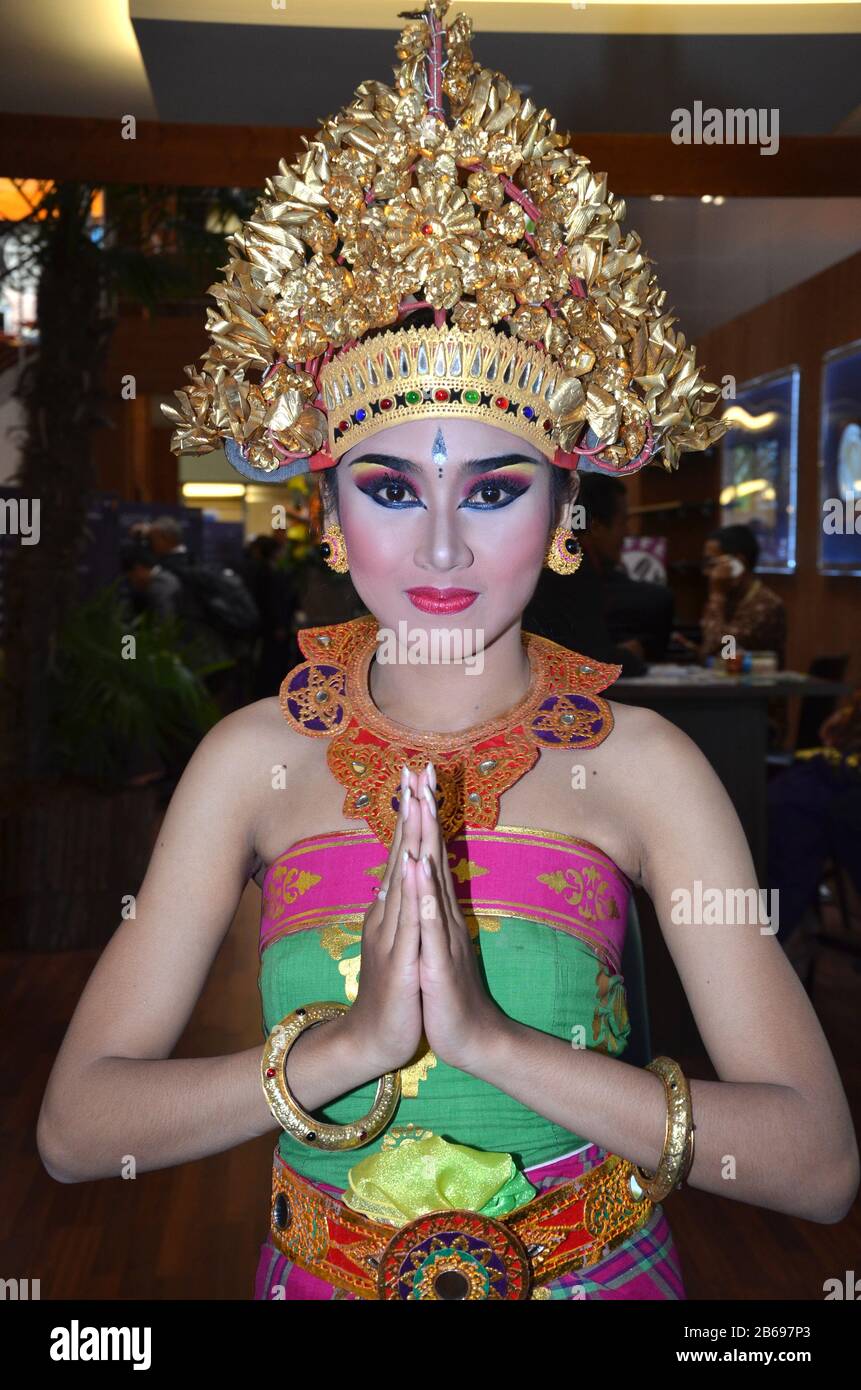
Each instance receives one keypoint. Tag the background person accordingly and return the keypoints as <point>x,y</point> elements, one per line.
<point>739,605</point>
<point>216,611</point>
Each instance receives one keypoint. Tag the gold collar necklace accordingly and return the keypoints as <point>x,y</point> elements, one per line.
<point>327,696</point>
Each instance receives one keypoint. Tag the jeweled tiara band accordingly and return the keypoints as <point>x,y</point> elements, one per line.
<point>397,376</point>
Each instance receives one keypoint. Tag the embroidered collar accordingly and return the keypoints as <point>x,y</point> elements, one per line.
<point>327,696</point>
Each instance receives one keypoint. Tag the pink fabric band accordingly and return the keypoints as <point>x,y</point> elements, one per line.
<point>566,883</point>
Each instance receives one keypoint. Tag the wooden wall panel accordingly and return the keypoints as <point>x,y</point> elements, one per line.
<point>89,148</point>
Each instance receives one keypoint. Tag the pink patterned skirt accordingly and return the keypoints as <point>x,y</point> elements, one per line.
<point>645,1266</point>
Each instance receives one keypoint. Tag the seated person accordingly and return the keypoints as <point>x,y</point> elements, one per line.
<point>739,605</point>
<point>814,814</point>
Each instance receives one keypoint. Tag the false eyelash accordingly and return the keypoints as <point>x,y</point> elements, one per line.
<point>504,485</point>
<point>512,489</point>
<point>388,480</point>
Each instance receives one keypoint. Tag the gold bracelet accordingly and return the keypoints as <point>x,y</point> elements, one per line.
<point>678,1153</point>
<point>319,1134</point>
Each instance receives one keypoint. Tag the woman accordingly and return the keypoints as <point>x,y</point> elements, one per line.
<point>446,880</point>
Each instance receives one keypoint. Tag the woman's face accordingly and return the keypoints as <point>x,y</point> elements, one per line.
<point>445,505</point>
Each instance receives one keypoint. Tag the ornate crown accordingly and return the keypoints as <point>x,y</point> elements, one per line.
<point>491,220</point>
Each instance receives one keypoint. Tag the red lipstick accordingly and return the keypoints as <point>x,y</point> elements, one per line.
<point>442,600</point>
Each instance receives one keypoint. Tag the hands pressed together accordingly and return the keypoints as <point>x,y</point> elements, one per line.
<point>419,971</point>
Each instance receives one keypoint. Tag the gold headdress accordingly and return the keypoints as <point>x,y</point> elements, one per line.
<point>489,220</point>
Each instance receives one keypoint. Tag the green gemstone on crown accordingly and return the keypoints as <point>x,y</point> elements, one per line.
<point>472,397</point>
<point>413,397</point>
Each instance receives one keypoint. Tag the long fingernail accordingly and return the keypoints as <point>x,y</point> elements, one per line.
<point>426,865</point>
<point>406,802</point>
<point>404,858</point>
<point>431,802</point>
<point>404,777</point>
<point>431,772</point>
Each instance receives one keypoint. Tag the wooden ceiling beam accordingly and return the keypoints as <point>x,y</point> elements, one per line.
<point>88,149</point>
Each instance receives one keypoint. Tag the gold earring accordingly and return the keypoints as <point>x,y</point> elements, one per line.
<point>564,554</point>
<point>333,549</point>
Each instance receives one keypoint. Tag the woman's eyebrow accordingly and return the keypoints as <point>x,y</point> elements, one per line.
<point>483,465</point>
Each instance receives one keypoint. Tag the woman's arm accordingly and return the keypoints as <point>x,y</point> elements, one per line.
<point>775,1130</point>
<point>114,1091</point>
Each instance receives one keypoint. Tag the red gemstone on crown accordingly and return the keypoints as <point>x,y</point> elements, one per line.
<point>270,1071</point>
<point>344,425</point>
<point>502,402</point>
<point>427,229</point>
<point>386,403</point>
<point>441,394</point>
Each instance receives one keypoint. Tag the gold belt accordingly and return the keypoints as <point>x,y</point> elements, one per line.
<point>456,1253</point>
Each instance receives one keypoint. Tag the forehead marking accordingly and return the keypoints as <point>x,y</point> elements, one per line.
<point>439,453</point>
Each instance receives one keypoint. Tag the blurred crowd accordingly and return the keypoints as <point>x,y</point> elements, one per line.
<point>241,622</point>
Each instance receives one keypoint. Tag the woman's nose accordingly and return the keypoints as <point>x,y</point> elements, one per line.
<point>442,544</point>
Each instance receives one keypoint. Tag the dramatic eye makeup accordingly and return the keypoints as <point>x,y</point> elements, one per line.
<point>380,483</point>
<point>512,481</point>
<point>383,478</point>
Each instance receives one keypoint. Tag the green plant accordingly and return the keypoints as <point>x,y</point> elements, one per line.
<point>118,685</point>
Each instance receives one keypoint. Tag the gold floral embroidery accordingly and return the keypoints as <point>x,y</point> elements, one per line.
<point>417,1071</point>
<point>349,968</point>
<point>286,885</point>
<point>465,869</point>
<point>556,880</point>
<point>590,892</point>
<point>611,1026</point>
<point>335,939</point>
<point>402,1134</point>
<point>482,923</point>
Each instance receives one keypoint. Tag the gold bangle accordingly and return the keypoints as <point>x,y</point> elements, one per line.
<point>678,1152</point>
<point>319,1134</point>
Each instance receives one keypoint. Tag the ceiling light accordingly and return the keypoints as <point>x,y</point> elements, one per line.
<point>199,490</point>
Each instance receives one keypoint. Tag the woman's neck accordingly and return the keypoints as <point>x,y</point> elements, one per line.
<point>447,697</point>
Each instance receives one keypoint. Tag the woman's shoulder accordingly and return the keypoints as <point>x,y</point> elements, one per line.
<point>254,739</point>
<point>261,725</point>
<point>652,754</point>
<point>635,721</point>
<point>647,739</point>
